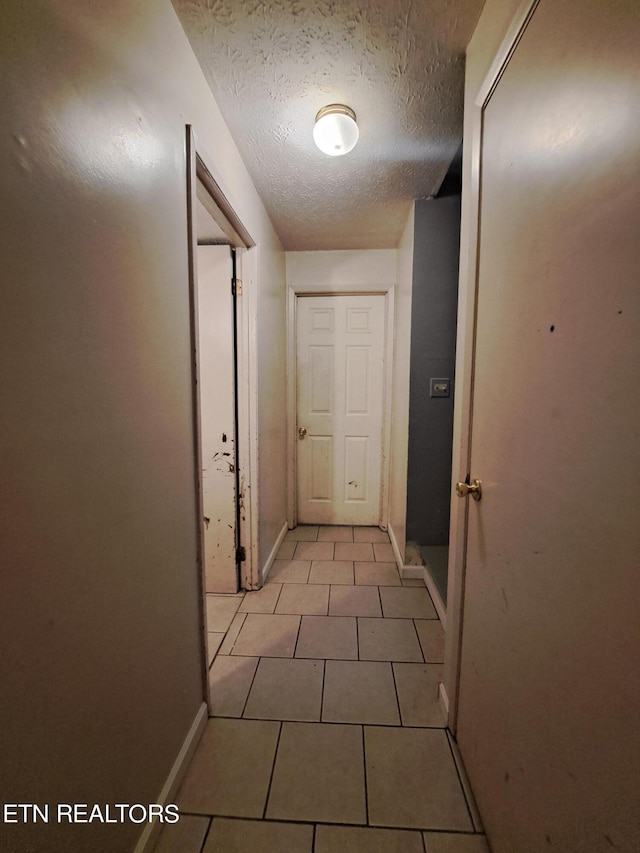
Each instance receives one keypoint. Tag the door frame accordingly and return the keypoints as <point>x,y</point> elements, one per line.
<point>475,103</point>
<point>247,392</point>
<point>293,294</point>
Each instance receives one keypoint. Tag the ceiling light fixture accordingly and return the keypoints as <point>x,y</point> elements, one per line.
<point>335,131</point>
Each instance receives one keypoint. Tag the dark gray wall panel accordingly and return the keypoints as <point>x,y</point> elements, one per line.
<point>433,336</point>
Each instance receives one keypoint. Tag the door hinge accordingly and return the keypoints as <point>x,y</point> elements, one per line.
<point>241,554</point>
<point>236,286</point>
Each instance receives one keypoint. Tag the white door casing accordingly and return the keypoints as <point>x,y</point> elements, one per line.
<point>217,416</point>
<point>548,677</point>
<point>340,377</point>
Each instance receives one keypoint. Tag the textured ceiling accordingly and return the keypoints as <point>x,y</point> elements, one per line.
<point>272,64</point>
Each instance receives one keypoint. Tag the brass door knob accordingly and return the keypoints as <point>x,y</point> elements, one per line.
<point>302,432</point>
<point>474,488</point>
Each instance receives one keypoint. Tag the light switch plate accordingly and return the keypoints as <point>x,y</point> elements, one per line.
<point>440,387</point>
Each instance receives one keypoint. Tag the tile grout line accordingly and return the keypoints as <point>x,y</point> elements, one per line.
<point>424,843</point>
<point>278,597</point>
<point>273,770</point>
<point>415,631</point>
<point>295,645</point>
<point>246,700</point>
<point>454,758</point>
<point>324,676</point>
<point>395,686</point>
<point>336,723</point>
<point>206,834</point>
<point>364,771</point>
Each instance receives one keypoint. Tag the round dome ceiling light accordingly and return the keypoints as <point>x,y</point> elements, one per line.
<point>335,131</point>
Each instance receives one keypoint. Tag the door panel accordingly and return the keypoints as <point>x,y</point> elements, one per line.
<point>321,380</point>
<point>340,369</point>
<point>356,463</point>
<point>216,344</point>
<point>549,686</point>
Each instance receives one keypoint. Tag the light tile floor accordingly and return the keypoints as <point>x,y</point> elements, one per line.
<point>327,734</point>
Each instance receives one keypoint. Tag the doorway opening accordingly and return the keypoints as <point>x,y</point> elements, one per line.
<point>221,254</point>
<point>434,306</point>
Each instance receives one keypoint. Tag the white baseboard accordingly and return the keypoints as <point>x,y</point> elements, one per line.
<point>396,551</point>
<point>272,555</point>
<point>419,572</point>
<point>438,603</point>
<point>151,831</point>
<point>466,784</point>
<point>443,699</point>
<point>412,572</point>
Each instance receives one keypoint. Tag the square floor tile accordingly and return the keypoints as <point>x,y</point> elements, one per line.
<point>289,571</point>
<point>213,644</point>
<point>267,635</point>
<point>230,678</point>
<point>361,551</point>
<point>383,551</point>
<point>405,602</point>
<point>318,774</point>
<point>304,599</point>
<point>412,582</point>
<point>185,836</point>
<point>449,842</point>
<point>231,636</point>
<point>354,601</point>
<point>314,551</point>
<point>431,636</point>
<point>335,534</point>
<point>262,600</point>
<point>302,533</point>
<point>231,768</point>
<point>241,836</point>
<point>359,692</point>
<point>377,574</point>
<point>417,685</point>
<point>286,689</point>
<point>388,639</point>
<point>412,781</point>
<point>351,839</point>
<point>328,637</point>
<point>286,549</point>
<point>220,611</point>
<point>331,571</point>
<point>369,534</point>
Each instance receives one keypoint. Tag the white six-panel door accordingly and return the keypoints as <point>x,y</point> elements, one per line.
<point>340,385</point>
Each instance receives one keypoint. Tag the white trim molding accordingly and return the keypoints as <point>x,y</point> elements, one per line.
<point>248,414</point>
<point>149,837</point>
<point>273,553</point>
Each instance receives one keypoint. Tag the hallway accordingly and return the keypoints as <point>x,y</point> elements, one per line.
<point>327,732</point>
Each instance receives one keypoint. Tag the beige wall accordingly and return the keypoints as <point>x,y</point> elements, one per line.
<point>357,268</point>
<point>100,669</point>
